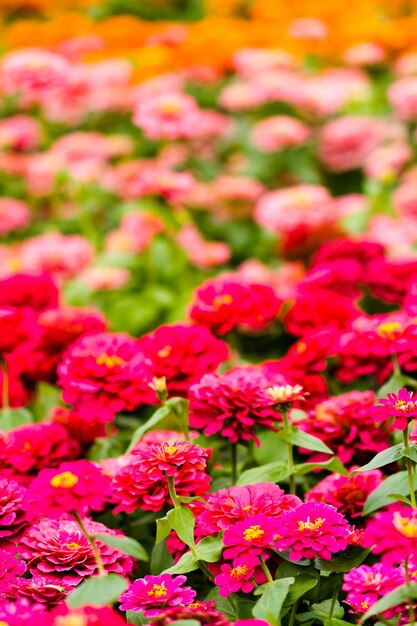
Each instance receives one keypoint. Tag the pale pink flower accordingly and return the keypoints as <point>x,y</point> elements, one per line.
<point>278,132</point>
<point>101,278</point>
<point>20,132</point>
<point>367,53</point>
<point>14,215</point>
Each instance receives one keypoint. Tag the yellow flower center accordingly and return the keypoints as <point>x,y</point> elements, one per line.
<point>109,360</point>
<point>164,352</point>
<point>311,525</point>
<point>364,605</point>
<point>301,347</point>
<point>170,106</point>
<point>248,507</point>
<point>407,526</point>
<point>253,533</point>
<point>170,449</point>
<point>220,300</point>
<point>73,545</point>
<point>388,330</point>
<point>66,480</point>
<point>158,591</point>
<point>72,620</point>
<point>239,572</point>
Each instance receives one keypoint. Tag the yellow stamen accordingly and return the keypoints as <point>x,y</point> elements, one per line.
<point>109,360</point>
<point>253,533</point>
<point>388,330</point>
<point>73,545</point>
<point>158,591</point>
<point>311,525</point>
<point>66,480</point>
<point>164,352</point>
<point>407,526</point>
<point>220,300</point>
<point>239,572</point>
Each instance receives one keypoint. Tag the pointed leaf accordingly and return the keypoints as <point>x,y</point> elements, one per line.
<point>342,563</point>
<point>209,549</point>
<point>383,458</point>
<point>163,528</point>
<point>332,465</point>
<point>12,418</point>
<point>396,483</point>
<point>187,563</point>
<point>270,603</point>
<point>410,452</point>
<point>304,440</point>
<point>127,545</point>
<point>393,385</point>
<point>157,417</point>
<point>98,591</point>
<point>271,472</point>
<point>182,520</point>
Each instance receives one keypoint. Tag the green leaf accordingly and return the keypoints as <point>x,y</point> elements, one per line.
<point>187,622</point>
<point>302,584</point>
<point>182,520</point>
<point>98,591</point>
<point>400,498</point>
<point>160,559</point>
<point>12,418</point>
<point>383,458</point>
<point>270,603</point>
<point>396,483</point>
<point>304,440</point>
<point>209,549</point>
<point>226,606</point>
<point>137,618</point>
<point>163,528</point>
<point>342,563</point>
<point>331,621</point>
<point>187,563</point>
<point>272,472</point>
<point>394,598</point>
<point>410,452</point>
<point>332,465</point>
<point>322,610</point>
<point>157,417</point>
<point>127,545</point>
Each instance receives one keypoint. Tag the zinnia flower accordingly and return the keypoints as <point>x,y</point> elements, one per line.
<point>251,536</point>
<point>313,530</point>
<point>367,584</point>
<point>78,486</point>
<point>153,593</point>
<point>13,514</point>
<point>204,612</point>
<point>142,482</point>
<point>402,407</point>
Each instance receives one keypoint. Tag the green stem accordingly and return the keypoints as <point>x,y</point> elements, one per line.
<point>396,365</point>
<point>233,450</point>
<point>334,600</point>
<point>290,455</point>
<point>173,493</point>
<point>409,465</point>
<point>265,569</point>
<point>5,394</point>
<point>92,542</point>
<point>293,613</point>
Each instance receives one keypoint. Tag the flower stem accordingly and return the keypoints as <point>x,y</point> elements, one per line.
<point>92,542</point>
<point>293,613</point>
<point>265,569</point>
<point>409,465</point>
<point>173,493</point>
<point>411,612</point>
<point>290,456</point>
<point>233,450</point>
<point>334,600</point>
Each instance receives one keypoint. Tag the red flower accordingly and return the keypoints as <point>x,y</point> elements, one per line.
<point>87,616</point>
<point>105,373</point>
<point>143,481</point>
<point>223,304</point>
<point>252,536</point>
<point>316,309</point>
<point>37,590</point>
<point>37,292</point>
<point>182,353</point>
<point>13,514</point>
<point>313,530</point>
<point>18,326</point>
<point>233,404</point>
<point>78,486</point>
<point>59,550</point>
<point>203,612</point>
<point>402,407</point>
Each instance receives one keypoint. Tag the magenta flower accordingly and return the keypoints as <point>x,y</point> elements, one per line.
<point>13,518</point>
<point>204,612</point>
<point>367,584</point>
<point>37,590</point>
<point>10,567</point>
<point>252,535</point>
<point>236,577</point>
<point>402,407</point>
<point>313,530</point>
<point>78,486</point>
<point>153,593</point>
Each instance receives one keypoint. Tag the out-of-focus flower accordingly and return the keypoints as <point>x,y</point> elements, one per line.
<point>278,132</point>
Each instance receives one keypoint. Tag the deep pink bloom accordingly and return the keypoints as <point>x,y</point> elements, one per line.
<point>393,534</point>
<point>13,513</point>
<point>77,486</point>
<point>228,506</point>
<point>142,482</point>
<point>237,577</point>
<point>347,493</point>
<point>153,593</point>
<point>37,291</point>
<point>18,328</point>
<point>251,536</point>
<point>23,613</point>
<point>84,428</point>
<point>33,447</point>
<point>233,404</point>
<point>10,567</point>
<point>20,132</point>
<point>317,309</point>
<point>223,304</point>
<point>87,616</point>
<point>312,530</point>
<point>38,590</point>
<point>167,115</point>
<point>367,584</point>
<point>183,353</point>
<point>59,550</point>
<point>105,373</point>
<point>401,406</point>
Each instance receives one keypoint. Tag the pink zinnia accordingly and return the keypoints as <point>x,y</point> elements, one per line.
<point>10,567</point>
<point>13,514</point>
<point>367,584</point>
<point>251,536</point>
<point>143,481</point>
<point>87,616</point>
<point>38,590</point>
<point>104,374</point>
<point>233,404</point>
<point>402,407</point>
<point>74,487</point>
<point>59,550</point>
<point>313,530</point>
<point>167,115</point>
<point>204,612</point>
<point>236,577</point>
<point>14,215</point>
<point>153,593</point>
<point>393,534</point>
